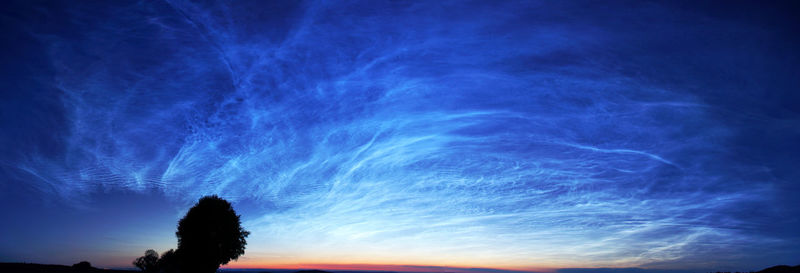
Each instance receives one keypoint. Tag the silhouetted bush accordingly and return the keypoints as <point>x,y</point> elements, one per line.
<point>148,262</point>
<point>168,263</point>
<point>209,235</point>
<point>82,266</point>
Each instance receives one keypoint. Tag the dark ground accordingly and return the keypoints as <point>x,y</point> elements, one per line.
<point>52,268</point>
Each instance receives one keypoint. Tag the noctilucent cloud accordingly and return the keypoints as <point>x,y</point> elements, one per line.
<point>477,134</point>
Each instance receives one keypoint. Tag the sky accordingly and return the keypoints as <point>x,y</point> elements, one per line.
<point>509,135</point>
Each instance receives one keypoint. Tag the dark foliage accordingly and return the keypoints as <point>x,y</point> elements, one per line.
<point>209,235</point>
<point>82,266</point>
<point>148,262</point>
<point>168,263</point>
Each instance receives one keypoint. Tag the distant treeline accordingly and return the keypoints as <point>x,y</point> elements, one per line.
<point>81,267</point>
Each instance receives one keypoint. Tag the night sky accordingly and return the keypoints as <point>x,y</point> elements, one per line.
<point>492,134</point>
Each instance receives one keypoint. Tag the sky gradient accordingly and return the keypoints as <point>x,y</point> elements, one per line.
<point>494,134</point>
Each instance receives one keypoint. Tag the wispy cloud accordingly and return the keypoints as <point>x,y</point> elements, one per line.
<point>482,134</point>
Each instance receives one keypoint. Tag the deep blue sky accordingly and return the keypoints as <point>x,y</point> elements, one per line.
<point>513,135</point>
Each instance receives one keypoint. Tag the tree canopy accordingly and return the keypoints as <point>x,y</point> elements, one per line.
<point>209,235</point>
<point>148,262</point>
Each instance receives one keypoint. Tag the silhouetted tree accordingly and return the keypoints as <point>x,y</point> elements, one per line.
<point>168,263</point>
<point>148,262</point>
<point>209,235</point>
<point>82,266</point>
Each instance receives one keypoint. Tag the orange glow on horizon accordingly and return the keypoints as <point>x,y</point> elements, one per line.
<point>381,267</point>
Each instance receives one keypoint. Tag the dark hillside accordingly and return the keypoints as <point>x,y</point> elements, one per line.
<point>781,269</point>
<point>51,268</point>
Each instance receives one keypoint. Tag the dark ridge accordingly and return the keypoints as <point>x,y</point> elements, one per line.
<point>782,269</point>
<point>52,268</point>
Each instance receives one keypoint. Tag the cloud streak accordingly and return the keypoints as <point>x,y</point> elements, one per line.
<point>505,135</point>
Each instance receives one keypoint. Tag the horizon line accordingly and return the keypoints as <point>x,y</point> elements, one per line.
<point>390,268</point>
